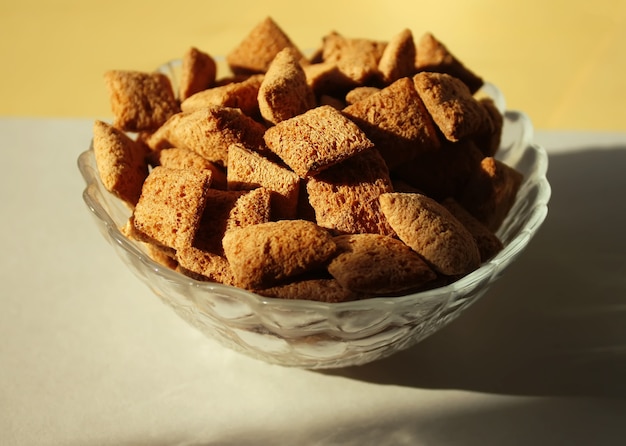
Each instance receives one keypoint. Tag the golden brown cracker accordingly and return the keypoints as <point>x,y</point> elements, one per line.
<point>432,231</point>
<point>241,95</point>
<point>198,72</point>
<point>248,170</point>
<point>209,132</point>
<point>140,101</point>
<point>359,93</point>
<point>284,92</point>
<point>171,205</point>
<point>255,52</point>
<point>356,58</point>
<point>263,255</point>
<point>396,121</point>
<point>316,140</point>
<point>398,58</point>
<point>377,265</point>
<point>345,196</point>
<point>453,108</point>
<point>121,162</point>
<point>178,158</point>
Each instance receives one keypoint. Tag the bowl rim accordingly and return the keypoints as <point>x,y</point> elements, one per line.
<point>86,165</point>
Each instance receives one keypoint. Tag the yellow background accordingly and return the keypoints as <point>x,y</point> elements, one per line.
<point>562,62</point>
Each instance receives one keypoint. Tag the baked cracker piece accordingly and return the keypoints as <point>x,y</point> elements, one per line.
<point>490,192</point>
<point>204,266</point>
<point>266,254</point>
<point>356,58</point>
<point>171,205</point>
<point>255,52</point>
<point>345,196</point>
<point>241,95</point>
<point>209,131</point>
<point>121,162</point>
<point>398,58</point>
<point>359,93</point>
<point>378,265</point>
<point>444,172</point>
<point>248,170</point>
<point>224,210</point>
<point>396,121</point>
<point>320,289</point>
<point>432,55</point>
<point>198,72</point>
<point>453,108</point>
<point>140,101</point>
<point>326,78</point>
<point>161,254</point>
<point>284,92</point>
<point>432,231</point>
<point>488,243</point>
<point>315,140</point>
<point>177,158</point>
<point>228,210</point>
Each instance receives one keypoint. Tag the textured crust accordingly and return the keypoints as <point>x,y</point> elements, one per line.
<point>140,101</point>
<point>396,121</point>
<point>359,93</point>
<point>204,265</point>
<point>284,92</point>
<point>453,108</point>
<point>263,255</point>
<point>198,72</point>
<point>224,211</point>
<point>278,178</point>
<point>121,162</point>
<point>316,140</point>
<point>356,58</point>
<point>488,243</point>
<point>241,95</point>
<point>345,196</point>
<point>432,55</point>
<point>398,58</point>
<point>177,158</point>
<point>377,265</point>
<point>171,205</point>
<point>326,78</point>
<point>209,132</point>
<point>430,230</point>
<point>321,290</point>
<point>255,52</point>
<point>248,170</point>
<point>491,191</point>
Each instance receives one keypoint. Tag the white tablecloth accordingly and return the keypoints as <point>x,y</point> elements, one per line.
<point>88,356</point>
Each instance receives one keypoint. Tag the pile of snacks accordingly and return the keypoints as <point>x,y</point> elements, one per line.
<point>365,169</point>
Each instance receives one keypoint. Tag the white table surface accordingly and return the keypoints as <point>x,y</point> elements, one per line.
<point>88,356</point>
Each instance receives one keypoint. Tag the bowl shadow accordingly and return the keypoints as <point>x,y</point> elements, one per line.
<point>555,323</point>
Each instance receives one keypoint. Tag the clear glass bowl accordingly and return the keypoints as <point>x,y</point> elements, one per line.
<point>312,334</point>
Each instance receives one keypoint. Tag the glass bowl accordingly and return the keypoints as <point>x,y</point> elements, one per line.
<point>312,334</point>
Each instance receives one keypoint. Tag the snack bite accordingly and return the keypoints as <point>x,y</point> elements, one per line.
<point>365,170</point>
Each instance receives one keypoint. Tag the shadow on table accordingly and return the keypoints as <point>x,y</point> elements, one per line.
<point>555,323</point>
